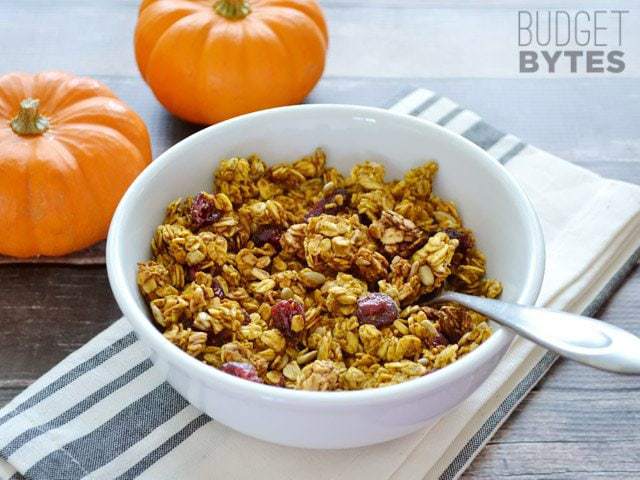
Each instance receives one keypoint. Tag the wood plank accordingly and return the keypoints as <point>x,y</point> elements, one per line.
<point>94,255</point>
<point>550,416</point>
<point>7,394</point>
<point>436,41</point>
<point>558,460</point>
<point>533,109</point>
<point>47,312</point>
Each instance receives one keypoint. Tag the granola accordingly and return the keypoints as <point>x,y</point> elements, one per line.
<point>300,277</point>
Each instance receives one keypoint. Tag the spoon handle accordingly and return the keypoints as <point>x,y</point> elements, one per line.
<point>583,339</point>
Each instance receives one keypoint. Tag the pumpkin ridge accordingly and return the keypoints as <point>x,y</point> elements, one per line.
<point>156,24</point>
<point>145,4</point>
<point>293,73</point>
<point>171,29</point>
<point>183,23</point>
<point>27,244</point>
<point>272,22</point>
<point>307,10</point>
<point>100,205</point>
<point>51,93</point>
<point>76,127</point>
<point>321,30</point>
<point>217,28</point>
<point>7,110</point>
<point>228,38</point>
<point>30,207</point>
<point>61,115</point>
<point>63,155</point>
<point>76,89</point>
<point>127,122</point>
<point>15,91</point>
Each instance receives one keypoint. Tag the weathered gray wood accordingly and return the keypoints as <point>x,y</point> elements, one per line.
<point>605,129</point>
<point>47,312</point>
<point>422,39</point>
<point>7,394</point>
<point>603,412</point>
<point>94,255</point>
<point>558,460</point>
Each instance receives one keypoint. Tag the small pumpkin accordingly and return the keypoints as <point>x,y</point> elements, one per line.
<point>68,151</point>
<point>209,60</point>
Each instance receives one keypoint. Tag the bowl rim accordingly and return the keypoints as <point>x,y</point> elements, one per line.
<point>239,388</point>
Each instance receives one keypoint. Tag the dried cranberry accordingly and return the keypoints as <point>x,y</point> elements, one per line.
<point>217,340</point>
<point>465,239</point>
<point>282,313</point>
<point>437,341</point>
<point>364,220</point>
<point>241,370</point>
<point>377,309</point>
<point>217,289</point>
<point>191,272</point>
<point>267,235</point>
<point>317,209</point>
<point>203,211</point>
<point>332,200</point>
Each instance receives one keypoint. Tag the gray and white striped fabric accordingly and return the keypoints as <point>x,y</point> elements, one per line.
<point>105,412</point>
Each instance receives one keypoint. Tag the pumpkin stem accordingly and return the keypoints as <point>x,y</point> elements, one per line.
<point>232,9</point>
<point>29,121</point>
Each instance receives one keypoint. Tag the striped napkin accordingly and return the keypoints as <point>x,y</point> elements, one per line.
<point>105,412</point>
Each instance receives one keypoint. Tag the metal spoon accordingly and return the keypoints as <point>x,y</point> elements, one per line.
<point>582,339</point>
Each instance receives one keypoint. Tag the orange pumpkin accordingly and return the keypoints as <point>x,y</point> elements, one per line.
<point>68,150</point>
<point>209,60</point>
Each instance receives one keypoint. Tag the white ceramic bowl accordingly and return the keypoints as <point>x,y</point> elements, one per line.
<point>490,201</point>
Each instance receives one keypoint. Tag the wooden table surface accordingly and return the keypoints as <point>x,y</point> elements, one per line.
<point>577,423</point>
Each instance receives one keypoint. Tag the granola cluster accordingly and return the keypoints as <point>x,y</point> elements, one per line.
<point>297,276</point>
